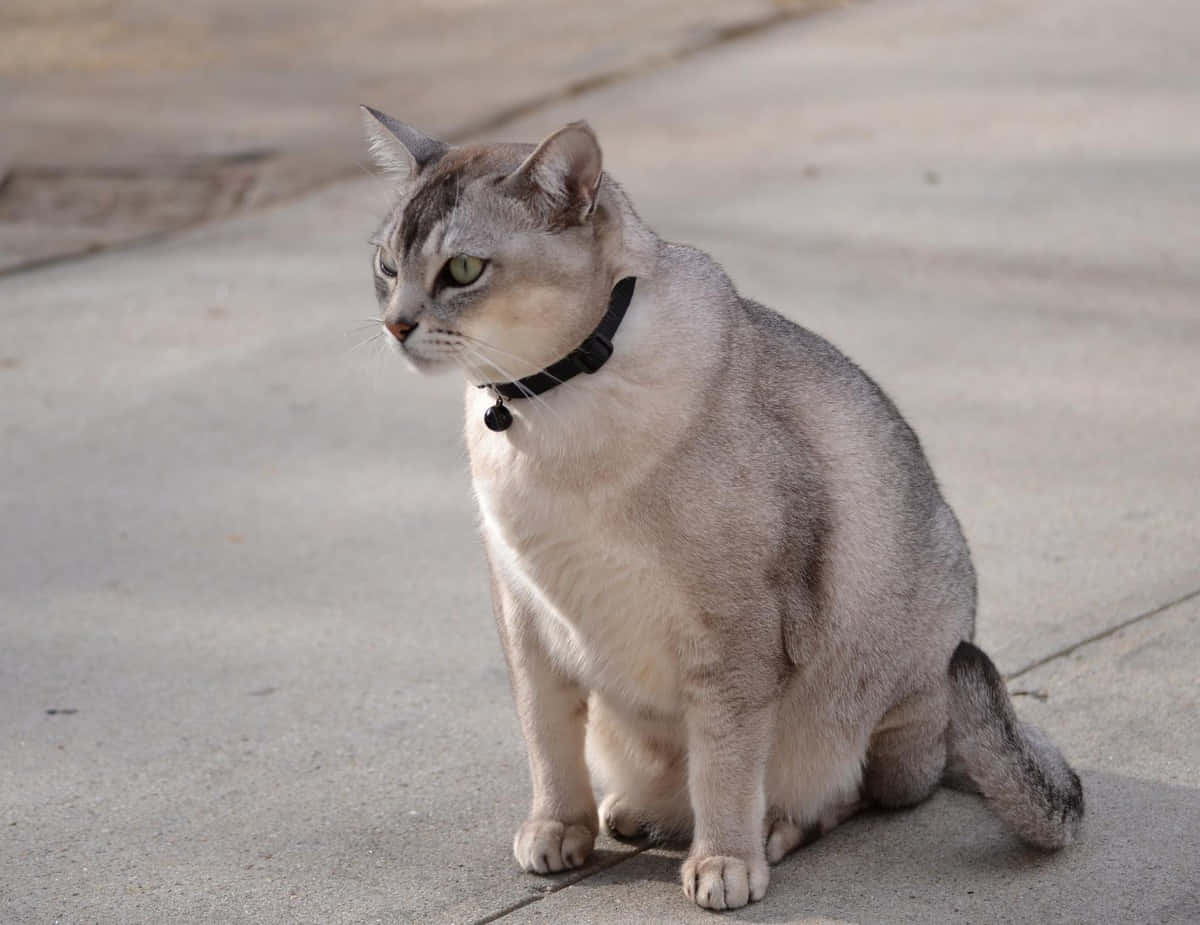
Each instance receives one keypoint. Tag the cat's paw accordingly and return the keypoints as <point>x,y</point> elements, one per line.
<point>547,846</point>
<point>719,882</point>
<point>784,836</point>
<point>619,819</point>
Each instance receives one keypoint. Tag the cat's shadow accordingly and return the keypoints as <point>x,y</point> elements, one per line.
<point>811,880</point>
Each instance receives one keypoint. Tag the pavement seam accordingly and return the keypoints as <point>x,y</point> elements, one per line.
<point>555,887</point>
<point>1103,634</point>
<point>721,35</point>
<point>1038,663</point>
<point>717,37</point>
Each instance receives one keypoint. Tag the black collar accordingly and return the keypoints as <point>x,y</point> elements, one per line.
<point>586,358</point>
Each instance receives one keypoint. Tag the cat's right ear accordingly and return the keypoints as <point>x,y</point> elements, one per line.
<point>562,176</point>
<point>396,147</point>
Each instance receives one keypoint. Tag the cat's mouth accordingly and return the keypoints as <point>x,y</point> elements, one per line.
<point>429,348</point>
<point>425,349</point>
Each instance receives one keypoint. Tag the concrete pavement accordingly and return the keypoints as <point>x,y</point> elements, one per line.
<point>123,120</point>
<point>951,861</point>
<point>239,559</point>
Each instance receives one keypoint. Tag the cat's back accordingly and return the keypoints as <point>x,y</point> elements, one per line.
<point>841,458</point>
<point>799,377</point>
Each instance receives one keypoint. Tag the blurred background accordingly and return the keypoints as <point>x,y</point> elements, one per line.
<point>124,118</point>
<point>248,671</point>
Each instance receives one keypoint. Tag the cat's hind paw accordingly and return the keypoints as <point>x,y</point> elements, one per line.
<point>620,820</point>
<point>547,846</point>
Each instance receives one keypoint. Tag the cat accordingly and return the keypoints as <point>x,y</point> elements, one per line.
<point>724,576</point>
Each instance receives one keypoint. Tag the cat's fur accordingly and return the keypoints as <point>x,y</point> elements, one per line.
<point>721,565</point>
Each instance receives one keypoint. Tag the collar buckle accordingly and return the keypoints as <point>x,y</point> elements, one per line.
<point>593,352</point>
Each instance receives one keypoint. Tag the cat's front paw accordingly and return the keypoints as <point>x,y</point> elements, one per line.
<point>720,882</point>
<point>546,846</point>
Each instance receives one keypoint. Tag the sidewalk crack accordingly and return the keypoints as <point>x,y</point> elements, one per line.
<point>602,866</point>
<point>1038,663</point>
<point>708,41</point>
<point>1103,634</point>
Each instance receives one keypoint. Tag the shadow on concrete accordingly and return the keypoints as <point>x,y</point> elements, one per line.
<point>948,860</point>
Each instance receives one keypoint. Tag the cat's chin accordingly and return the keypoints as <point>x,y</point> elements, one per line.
<point>418,363</point>
<point>426,366</point>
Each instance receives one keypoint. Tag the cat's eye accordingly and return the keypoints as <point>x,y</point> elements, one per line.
<point>464,269</point>
<point>386,267</point>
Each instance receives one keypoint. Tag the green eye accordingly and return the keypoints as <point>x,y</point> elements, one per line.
<point>386,267</point>
<point>464,269</point>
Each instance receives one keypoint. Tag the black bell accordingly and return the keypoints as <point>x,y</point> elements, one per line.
<point>497,417</point>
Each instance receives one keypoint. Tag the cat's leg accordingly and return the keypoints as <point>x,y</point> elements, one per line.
<point>729,741</point>
<point>642,768</point>
<point>907,754</point>
<point>562,823</point>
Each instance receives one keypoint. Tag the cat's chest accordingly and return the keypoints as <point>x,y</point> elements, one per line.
<point>606,606</point>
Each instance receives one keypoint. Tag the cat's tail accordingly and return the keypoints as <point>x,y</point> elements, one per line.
<point>1020,773</point>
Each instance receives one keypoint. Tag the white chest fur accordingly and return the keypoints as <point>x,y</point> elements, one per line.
<point>556,494</point>
<point>604,605</point>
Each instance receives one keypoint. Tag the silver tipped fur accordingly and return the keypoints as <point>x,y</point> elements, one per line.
<point>725,580</point>
<point>1020,773</point>
<point>396,146</point>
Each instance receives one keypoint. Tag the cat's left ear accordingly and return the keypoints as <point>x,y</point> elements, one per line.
<point>398,147</point>
<point>562,176</point>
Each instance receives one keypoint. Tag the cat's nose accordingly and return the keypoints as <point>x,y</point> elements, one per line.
<point>400,329</point>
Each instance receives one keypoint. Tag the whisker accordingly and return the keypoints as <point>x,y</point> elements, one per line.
<point>479,354</point>
<point>363,343</point>
<point>472,369</point>
<point>483,343</point>
<point>482,349</point>
<point>515,381</point>
<point>478,371</point>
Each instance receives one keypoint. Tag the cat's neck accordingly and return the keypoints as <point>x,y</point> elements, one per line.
<point>668,354</point>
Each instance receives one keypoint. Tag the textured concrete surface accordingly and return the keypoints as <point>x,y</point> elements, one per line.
<point>950,860</point>
<point>93,81</point>
<point>239,563</point>
<point>122,119</point>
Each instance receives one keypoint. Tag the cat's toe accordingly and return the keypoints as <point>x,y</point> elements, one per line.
<point>547,846</point>
<point>719,882</point>
<point>619,819</point>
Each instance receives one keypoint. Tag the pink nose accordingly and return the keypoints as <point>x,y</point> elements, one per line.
<point>400,330</point>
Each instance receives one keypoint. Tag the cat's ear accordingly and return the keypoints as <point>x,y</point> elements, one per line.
<point>397,147</point>
<point>562,176</point>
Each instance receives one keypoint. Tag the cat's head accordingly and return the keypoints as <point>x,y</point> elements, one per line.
<point>492,258</point>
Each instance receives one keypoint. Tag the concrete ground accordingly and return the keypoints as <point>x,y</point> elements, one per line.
<point>247,668</point>
<point>127,119</point>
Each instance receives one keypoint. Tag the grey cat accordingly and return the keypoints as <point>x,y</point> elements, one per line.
<point>724,576</point>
